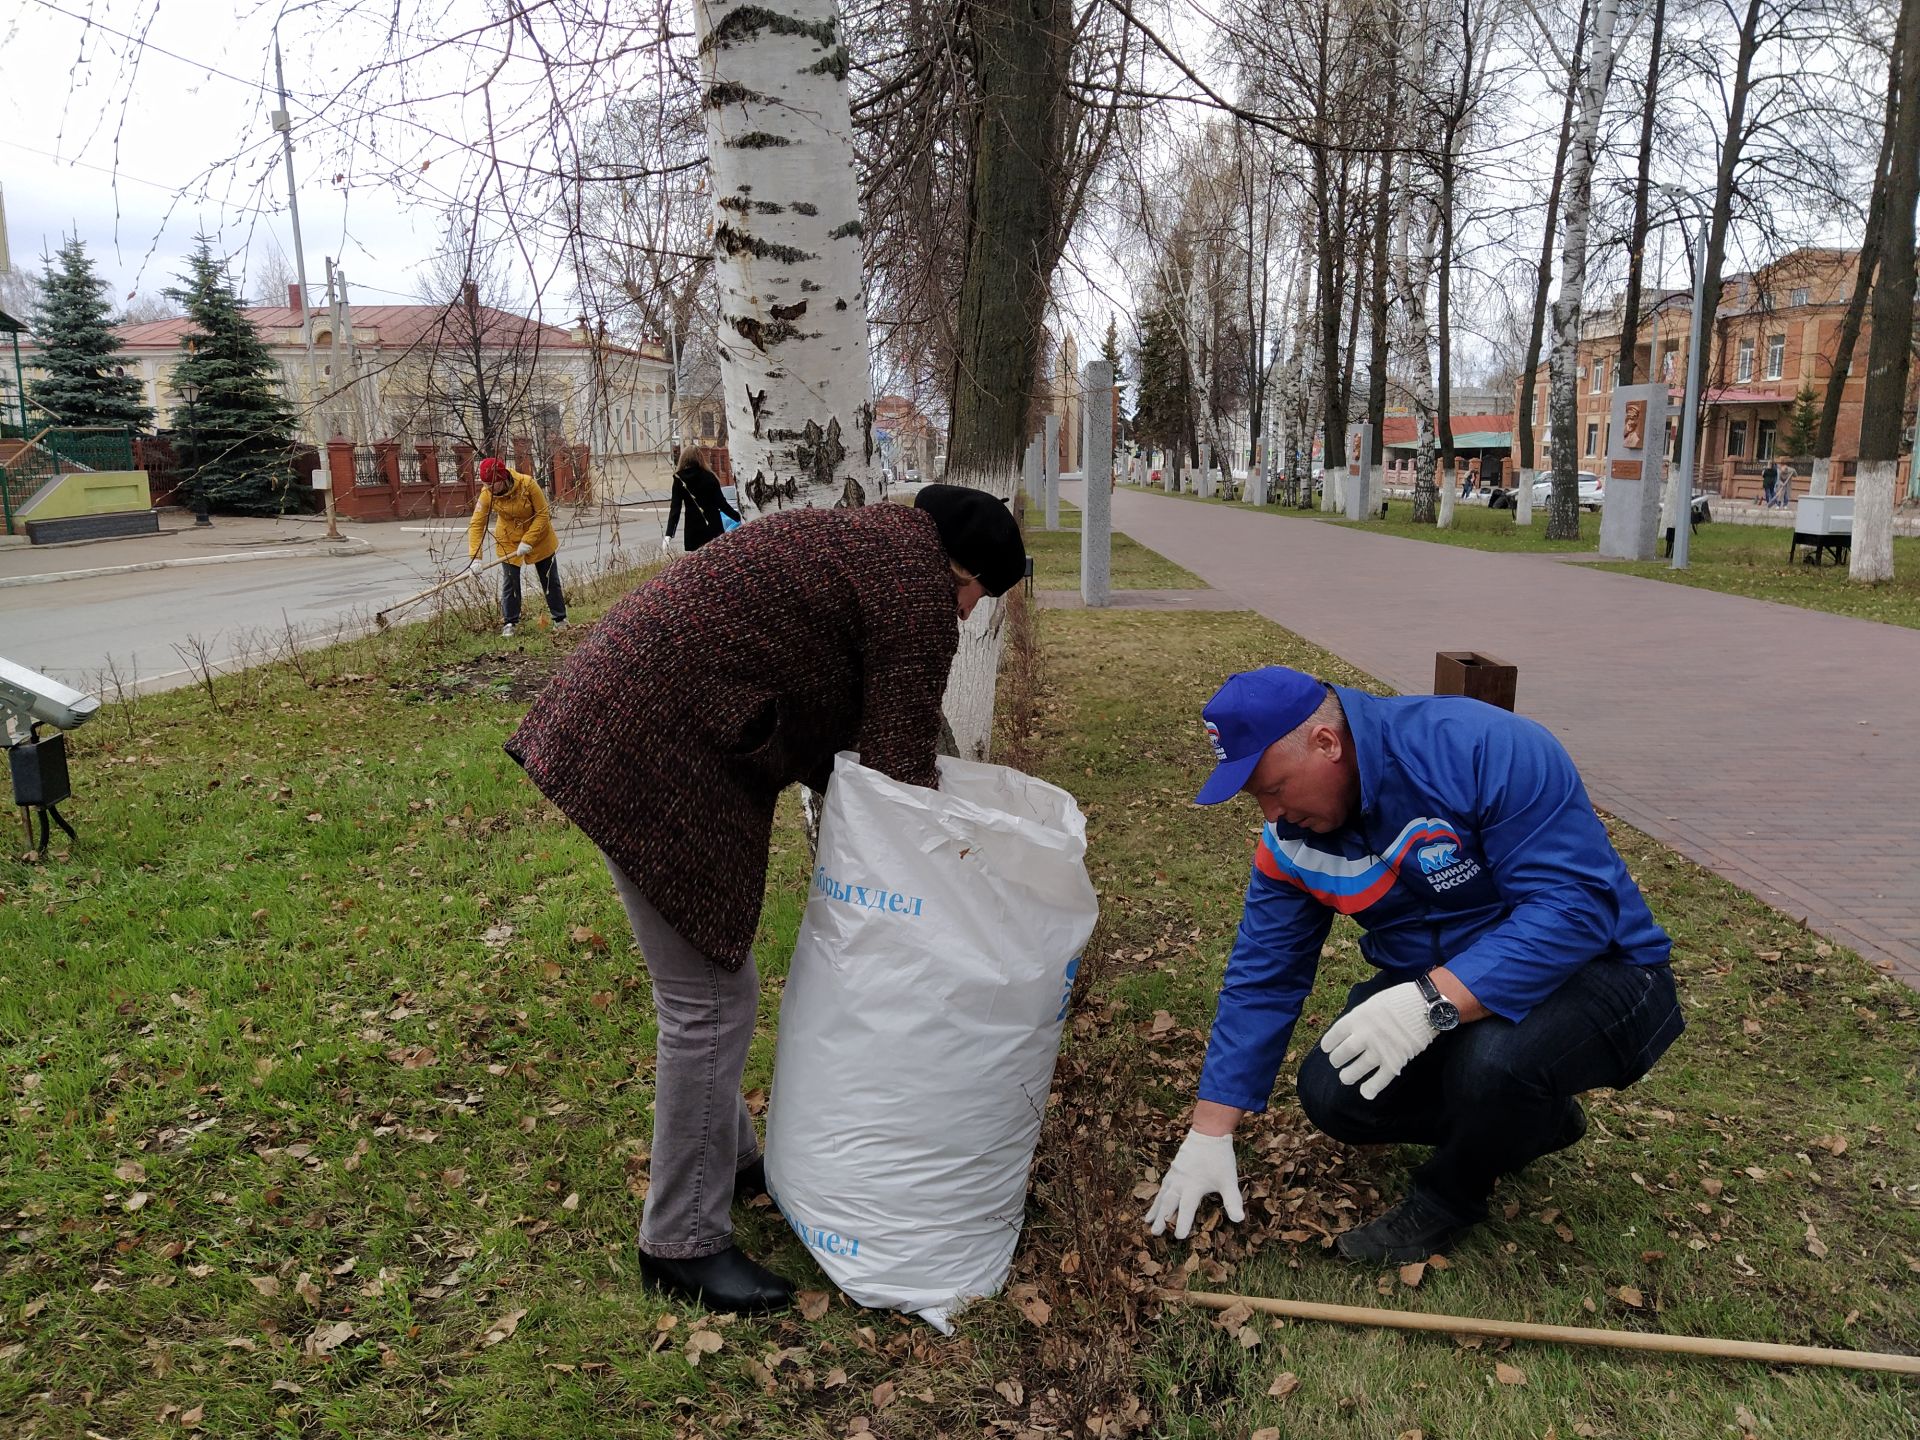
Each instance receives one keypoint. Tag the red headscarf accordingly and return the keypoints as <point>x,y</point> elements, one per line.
<point>492,471</point>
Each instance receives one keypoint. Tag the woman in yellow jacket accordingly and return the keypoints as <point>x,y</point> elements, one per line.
<point>522,531</point>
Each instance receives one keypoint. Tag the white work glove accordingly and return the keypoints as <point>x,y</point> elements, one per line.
<point>523,549</point>
<point>1204,1166</point>
<point>1378,1037</point>
<point>666,544</point>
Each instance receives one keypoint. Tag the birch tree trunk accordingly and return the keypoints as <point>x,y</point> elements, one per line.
<point>1563,507</point>
<point>1890,351</point>
<point>793,317</point>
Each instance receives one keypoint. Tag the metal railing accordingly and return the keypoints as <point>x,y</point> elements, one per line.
<point>56,450</point>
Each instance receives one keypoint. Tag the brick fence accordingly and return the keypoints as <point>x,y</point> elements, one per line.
<point>384,481</point>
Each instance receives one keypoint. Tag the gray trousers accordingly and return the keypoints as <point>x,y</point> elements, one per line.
<point>702,1133</point>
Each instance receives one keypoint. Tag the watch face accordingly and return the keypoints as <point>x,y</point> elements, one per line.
<point>1443,1015</point>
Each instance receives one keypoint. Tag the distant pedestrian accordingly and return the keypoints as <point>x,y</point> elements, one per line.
<point>697,493</point>
<point>1770,479</point>
<point>523,534</point>
<point>1783,489</point>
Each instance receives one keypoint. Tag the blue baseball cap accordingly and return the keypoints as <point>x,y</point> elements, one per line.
<point>1246,715</point>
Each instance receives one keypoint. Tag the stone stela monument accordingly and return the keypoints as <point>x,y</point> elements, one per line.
<point>1635,473</point>
<point>1359,470</point>
<point>1096,502</point>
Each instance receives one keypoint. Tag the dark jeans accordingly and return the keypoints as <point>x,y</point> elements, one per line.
<point>548,571</point>
<point>1492,1095</point>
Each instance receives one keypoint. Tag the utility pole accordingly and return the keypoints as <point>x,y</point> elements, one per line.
<point>283,122</point>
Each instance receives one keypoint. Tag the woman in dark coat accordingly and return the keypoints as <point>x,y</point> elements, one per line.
<point>697,492</point>
<point>667,737</point>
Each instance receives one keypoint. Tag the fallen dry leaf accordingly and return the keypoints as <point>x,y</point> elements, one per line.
<point>503,1328</point>
<point>267,1285</point>
<point>883,1394</point>
<point>1162,1022</point>
<point>328,1338</point>
<point>1412,1275</point>
<point>836,1377</point>
<point>1011,1391</point>
<point>137,1201</point>
<point>762,1376</point>
<point>1267,1432</point>
<point>1713,1185</point>
<point>812,1304</point>
<point>1630,1295</point>
<point>1284,1384</point>
<point>1508,1374</point>
<point>1743,1417</point>
<point>190,1419</point>
<point>131,1171</point>
<point>702,1342</point>
<point>572,1202</point>
<point>1234,1316</point>
<point>1037,1311</point>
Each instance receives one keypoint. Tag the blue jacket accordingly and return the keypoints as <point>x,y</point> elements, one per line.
<point>1474,847</point>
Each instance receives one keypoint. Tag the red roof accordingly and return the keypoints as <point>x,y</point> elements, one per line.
<point>393,326</point>
<point>1405,429</point>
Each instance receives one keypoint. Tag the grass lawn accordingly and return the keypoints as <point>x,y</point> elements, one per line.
<point>1056,559</point>
<point>1748,560</point>
<point>328,1060</point>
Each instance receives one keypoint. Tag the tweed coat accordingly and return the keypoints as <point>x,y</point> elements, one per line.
<point>668,735</point>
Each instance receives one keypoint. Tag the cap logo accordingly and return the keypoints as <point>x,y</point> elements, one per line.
<point>1213,739</point>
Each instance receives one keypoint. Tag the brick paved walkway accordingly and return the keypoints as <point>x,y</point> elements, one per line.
<point>1773,745</point>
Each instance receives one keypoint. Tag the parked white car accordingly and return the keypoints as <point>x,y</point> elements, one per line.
<point>1592,491</point>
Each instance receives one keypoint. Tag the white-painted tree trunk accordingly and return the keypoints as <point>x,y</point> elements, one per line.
<point>1872,551</point>
<point>1523,498</point>
<point>793,318</point>
<point>1821,482</point>
<point>1568,306</point>
<point>968,704</point>
<point>1449,483</point>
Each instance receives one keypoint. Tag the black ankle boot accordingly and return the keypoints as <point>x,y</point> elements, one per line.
<point>1417,1227</point>
<point>727,1280</point>
<point>750,1181</point>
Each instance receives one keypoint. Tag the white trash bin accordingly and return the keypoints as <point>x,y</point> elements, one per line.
<point>919,1027</point>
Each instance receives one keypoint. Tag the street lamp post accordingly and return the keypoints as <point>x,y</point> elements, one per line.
<point>189,391</point>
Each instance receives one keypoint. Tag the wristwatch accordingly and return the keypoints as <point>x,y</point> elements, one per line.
<point>1442,1014</point>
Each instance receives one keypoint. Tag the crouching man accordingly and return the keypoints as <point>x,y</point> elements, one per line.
<point>1518,965</point>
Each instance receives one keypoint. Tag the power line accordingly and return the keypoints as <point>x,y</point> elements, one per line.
<point>146,44</point>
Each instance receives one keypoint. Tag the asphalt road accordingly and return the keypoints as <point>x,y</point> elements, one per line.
<point>140,623</point>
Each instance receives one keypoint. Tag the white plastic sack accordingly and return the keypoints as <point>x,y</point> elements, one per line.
<point>919,1027</point>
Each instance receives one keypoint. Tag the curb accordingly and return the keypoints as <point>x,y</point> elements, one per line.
<point>344,547</point>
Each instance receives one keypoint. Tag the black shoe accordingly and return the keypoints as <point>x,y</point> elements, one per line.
<point>750,1181</point>
<point>728,1280</point>
<point>1417,1227</point>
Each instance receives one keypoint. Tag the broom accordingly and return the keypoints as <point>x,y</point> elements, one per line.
<point>380,617</point>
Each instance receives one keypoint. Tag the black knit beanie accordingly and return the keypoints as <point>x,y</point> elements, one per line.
<point>978,533</point>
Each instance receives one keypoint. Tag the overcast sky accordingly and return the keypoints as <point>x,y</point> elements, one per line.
<point>138,159</point>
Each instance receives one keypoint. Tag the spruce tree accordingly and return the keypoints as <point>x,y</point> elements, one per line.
<point>1164,417</point>
<point>237,435</point>
<point>78,349</point>
<point>1803,423</point>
